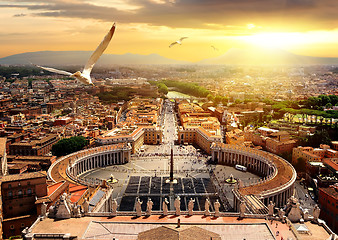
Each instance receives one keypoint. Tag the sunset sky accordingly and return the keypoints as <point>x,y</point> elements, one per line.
<point>306,27</point>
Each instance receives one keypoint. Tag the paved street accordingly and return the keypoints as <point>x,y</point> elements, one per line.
<point>304,197</point>
<point>170,124</point>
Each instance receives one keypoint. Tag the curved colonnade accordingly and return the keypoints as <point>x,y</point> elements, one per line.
<point>85,160</point>
<point>278,175</point>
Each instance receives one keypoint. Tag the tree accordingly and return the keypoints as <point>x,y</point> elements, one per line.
<point>217,99</point>
<point>237,101</point>
<point>225,100</point>
<point>324,99</point>
<point>162,88</point>
<point>267,117</point>
<point>328,105</point>
<point>210,97</point>
<point>69,145</point>
<point>319,137</point>
<point>187,88</point>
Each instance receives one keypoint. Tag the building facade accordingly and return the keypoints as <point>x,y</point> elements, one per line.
<point>328,202</point>
<point>38,146</point>
<point>136,137</point>
<point>19,193</point>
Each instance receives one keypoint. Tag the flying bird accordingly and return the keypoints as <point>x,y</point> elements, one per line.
<point>216,49</point>
<point>177,42</point>
<point>84,76</point>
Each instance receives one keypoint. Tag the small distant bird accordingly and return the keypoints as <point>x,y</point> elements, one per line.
<point>216,49</point>
<point>178,42</point>
<point>84,76</point>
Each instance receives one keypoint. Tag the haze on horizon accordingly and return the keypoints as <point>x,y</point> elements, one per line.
<point>305,27</point>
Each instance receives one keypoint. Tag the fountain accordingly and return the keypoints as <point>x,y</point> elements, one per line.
<point>231,179</point>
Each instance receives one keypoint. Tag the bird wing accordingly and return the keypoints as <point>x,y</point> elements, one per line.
<point>55,70</point>
<point>98,52</point>
<point>172,44</point>
<point>183,38</point>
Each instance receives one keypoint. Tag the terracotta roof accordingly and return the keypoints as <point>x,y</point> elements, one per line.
<point>279,133</point>
<point>53,187</point>
<point>24,176</point>
<point>331,162</point>
<point>76,192</point>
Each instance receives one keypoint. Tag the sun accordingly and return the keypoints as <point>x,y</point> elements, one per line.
<point>275,40</point>
<point>250,26</point>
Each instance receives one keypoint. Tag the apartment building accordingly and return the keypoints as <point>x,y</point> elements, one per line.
<point>34,146</point>
<point>197,126</point>
<point>19,193</point>
<point>313,154</point>
<point>274,141</point>
<point>135,136</point>
<point>328,203</point>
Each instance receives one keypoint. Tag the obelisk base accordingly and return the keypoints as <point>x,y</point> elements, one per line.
<point>174,181</point>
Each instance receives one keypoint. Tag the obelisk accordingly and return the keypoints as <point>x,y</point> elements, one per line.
<point>171,178</point>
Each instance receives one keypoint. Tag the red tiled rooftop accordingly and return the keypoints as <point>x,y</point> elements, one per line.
<point>53,187</point>
<point>74,188</point>
<point>75,196</point>
<point>76,192</point>
<point>331,162</point>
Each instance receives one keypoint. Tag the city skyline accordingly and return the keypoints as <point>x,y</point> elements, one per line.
<point>302,27</point>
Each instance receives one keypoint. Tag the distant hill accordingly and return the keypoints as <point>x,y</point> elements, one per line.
<point>265,56</point>
<point>233,56</point>
<point>50,58</point>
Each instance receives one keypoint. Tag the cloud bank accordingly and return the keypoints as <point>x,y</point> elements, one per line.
<point>303,14</point>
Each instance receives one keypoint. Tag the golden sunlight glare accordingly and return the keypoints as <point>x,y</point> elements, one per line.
<point>275,40</point>
<point>250,26</point>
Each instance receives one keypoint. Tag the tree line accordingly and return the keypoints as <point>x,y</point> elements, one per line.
<point>184,87</point>
<point>313,106</point>
<point>117,94</point>
<point>69,145</point>
<point>23,71</point>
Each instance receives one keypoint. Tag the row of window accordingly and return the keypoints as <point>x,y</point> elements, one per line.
<point>20,192</point>
<point>13,227</point>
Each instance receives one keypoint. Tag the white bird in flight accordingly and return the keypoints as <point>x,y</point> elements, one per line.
<point>216,49</point>
<point>84,76</point>
<point>177,42</point>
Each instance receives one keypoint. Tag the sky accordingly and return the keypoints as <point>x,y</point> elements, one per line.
<point>306,27</point>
